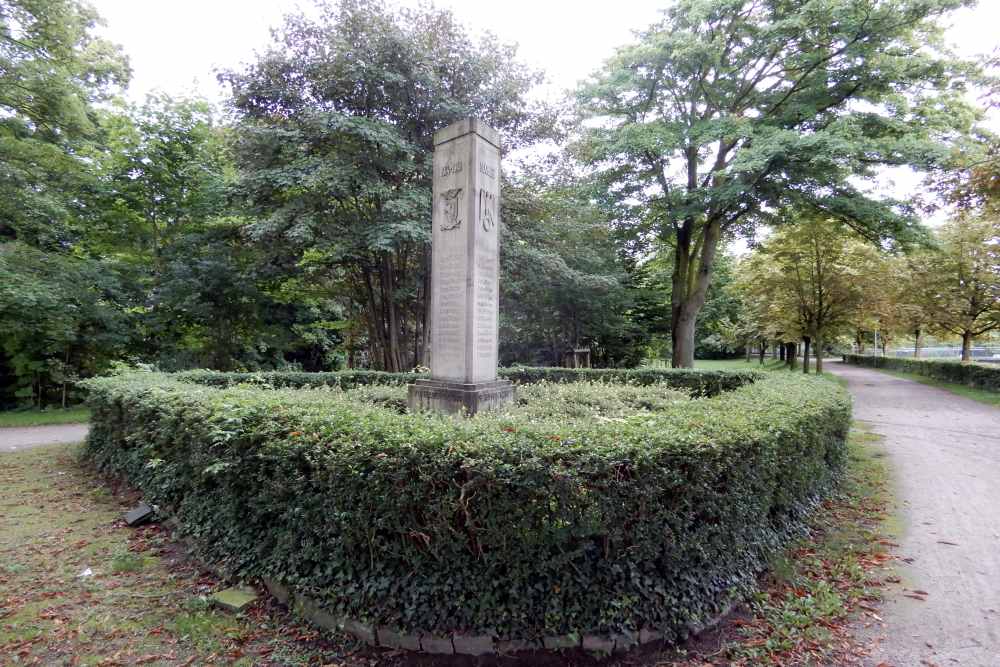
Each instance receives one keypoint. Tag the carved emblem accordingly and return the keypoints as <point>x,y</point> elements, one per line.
<point>487,209</point>
<point>452,208</point>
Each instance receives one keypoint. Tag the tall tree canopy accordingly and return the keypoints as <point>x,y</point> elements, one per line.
<point>336,123</point>
<point>729,110</point>
<point>52,72</point>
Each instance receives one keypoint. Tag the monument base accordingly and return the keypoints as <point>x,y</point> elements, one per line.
<point>459,397</point>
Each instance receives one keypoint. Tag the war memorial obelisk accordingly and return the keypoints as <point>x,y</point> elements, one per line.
<point>464,274</point>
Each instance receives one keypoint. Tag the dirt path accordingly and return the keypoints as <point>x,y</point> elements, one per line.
<point>18,438</point>
<point>945,453</point>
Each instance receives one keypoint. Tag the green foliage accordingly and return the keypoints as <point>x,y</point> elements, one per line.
<point>52,72</point>
<point>60,318</point>
<point>333,146</point>
<point>495,523</point>
<point>977,376</point>
<point>591,400</point>
<point>701,383</point>
<point>563,283</point>
<point>728,110</point>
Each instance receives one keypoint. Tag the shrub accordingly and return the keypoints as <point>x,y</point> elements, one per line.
<point>495,524</point>
<point>591,400</point>
<point>977,376</point>
<point>702,383</point>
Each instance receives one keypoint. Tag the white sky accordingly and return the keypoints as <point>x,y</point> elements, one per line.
<point>175,46</point>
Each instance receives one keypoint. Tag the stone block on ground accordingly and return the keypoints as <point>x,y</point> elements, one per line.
<point>598,643</point>
<point>514,645</point>
<point>234,599</point>
<point>392,639</point>
<point>360,630</point>
<point>646,636</point>
<point>441,645</point>
<point>473,644</point>
<point>138,515</point>
<point>277,589</point>
<point>561,641</point>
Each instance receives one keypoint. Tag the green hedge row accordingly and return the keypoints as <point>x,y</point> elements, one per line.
<point>977,376</point>
<point>494,524</point>
<point>702,383</point>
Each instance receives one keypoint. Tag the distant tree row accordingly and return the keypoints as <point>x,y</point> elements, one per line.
<point>814,283</point>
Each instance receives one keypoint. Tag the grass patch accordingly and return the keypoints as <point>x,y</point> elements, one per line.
<point>20,418</point>
<point>145,601</point>
<point>980,395</point>
<point>768,365</point>
<point>804,610</point>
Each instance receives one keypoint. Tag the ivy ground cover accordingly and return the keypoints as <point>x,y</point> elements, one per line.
<point>618,504</point>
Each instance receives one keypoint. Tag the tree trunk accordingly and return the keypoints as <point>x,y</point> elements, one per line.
<point>749,351</point>
<point>388,279</point>
<point>762,351</point>
<point>790,355</point>
<point>689,285</point>
<point>818,352</point>
<point>805,354</point>
<point>916,343</point>
<point>683,344</point>
<point>781,351</point>
<point>966,346</point>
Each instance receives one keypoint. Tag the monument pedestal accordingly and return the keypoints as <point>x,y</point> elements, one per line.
<point>459,397</point>
<point>465,274</point>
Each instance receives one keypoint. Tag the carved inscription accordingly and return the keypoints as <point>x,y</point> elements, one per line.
<point>452,200</point>
<point>486,304</point>
<point>487,209</point>
<point>449,282</point>
<point>451,168</point>
<point>488,170</point>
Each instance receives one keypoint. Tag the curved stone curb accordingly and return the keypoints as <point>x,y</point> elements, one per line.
<point>458,644</point>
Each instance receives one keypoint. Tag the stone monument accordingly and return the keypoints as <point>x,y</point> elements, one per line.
<point>464,274</point>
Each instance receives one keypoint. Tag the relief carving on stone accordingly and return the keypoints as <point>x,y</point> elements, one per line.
<point>487,209</point>
<point>452,209</point>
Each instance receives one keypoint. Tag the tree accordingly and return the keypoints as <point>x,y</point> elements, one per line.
<point>61,318</point>
<point>728,110</point>
<point>161,174</point>
<point>808,279</point>
<point>719,332</point>
<point>53,72</point>
<point>563,283</point>
<point>963,279</point>
<point>334,144</point>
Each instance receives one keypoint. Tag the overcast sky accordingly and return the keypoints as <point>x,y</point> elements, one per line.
<point>176,45</point>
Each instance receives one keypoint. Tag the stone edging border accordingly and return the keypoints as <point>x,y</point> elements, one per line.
<point>456,644</point>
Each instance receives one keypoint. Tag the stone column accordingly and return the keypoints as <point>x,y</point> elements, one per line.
<point>464,274</point>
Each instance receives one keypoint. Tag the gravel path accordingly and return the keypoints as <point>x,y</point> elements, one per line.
<point>945,453</point>
<point>18,438</point>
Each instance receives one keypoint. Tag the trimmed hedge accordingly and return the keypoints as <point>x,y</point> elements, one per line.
<point>494,524</point>
<point>702,383</point>
<point>977,376</point>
